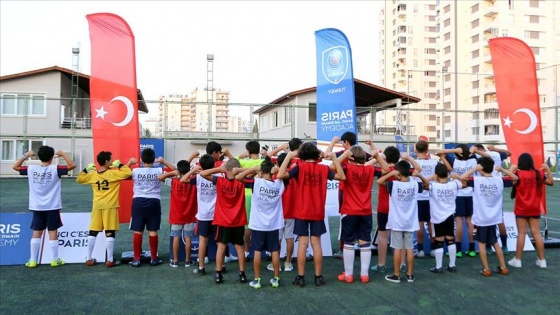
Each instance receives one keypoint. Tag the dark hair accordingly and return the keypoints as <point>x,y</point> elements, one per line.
<point>148,155</point>
<point>421,146</point>
<point>480,146</point>
<point>253,147</point>
<point>441,170</point>
<point>350,137</point>
<point>280,159</point>
<point>308,151</point>
<point>212,147</point>
<point>465,154</point>
<point>526,163</point>
<point>358,154</point>
<point>392,154</point>
<point>103,157</point>
<point>403,167</point>
<point>206,162</point>
<point>294,144</point>
<point>183,167</point>
<point>267,165</point>
<point>45,153</point>
<point>232,163</point>
<point>487,164</point>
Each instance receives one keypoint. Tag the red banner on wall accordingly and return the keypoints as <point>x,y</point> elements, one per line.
<point>113,94</point>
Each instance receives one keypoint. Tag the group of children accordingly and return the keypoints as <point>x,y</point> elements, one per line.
<point>252,202</point>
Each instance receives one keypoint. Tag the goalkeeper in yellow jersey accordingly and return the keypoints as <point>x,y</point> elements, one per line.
<point>105,183</point>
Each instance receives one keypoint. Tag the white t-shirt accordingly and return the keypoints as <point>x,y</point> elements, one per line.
<point>487,200</point>
<point>403,208</point>
<point>44,187</point>
<point>428,169</point>
<point>206,198</point>
<point>497,158</point>
<point>442,199</point>
<point>266,205</point>
<point>146,182</point>
<point>460,167</point>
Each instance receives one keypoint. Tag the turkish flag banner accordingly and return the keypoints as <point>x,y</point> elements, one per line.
<point>113,94</point>
<point>515,75</point>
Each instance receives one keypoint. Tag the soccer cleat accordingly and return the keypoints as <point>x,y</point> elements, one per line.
<point>57,263</point>
<point>91,262</point>
<point>393,278</point>
<point>505,250</point>
<point>410,278</point>
<point>173,264</point>
<point>218,278</point>
<point>270,267</point>
<point>364,278</point>
<point>486,272</point>
<point>230,258</point>
<point>420,254</point>
<point>451,269</point>
<point>338,255</point>
<point>436,270</point>
<point>134,263</point>
<point>288,267</point>
<point>31,264</point>
<point>459,254</point>
<point>275,282</point>
<point>348,279</point>
<point>378,268</point>
<point>189,263</point>
<point>514,262</point>
<point>541,263</point>
<point>320,281</point>
<point>243,277</point>
<point>502,271</point>
<point>201,271</point>
<point>471,253</point>
<point>155,262</point>
<point>256,283</point>
<point>111,264</point>
<point>299,281</point>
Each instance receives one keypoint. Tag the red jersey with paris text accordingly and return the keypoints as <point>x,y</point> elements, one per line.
<point>383,194</point>
<point>183,203</point>
<point>357,194</point>
<point>290,194</point>
<point>528,195</point>
<point>230,202</point>
<point>311,183</point>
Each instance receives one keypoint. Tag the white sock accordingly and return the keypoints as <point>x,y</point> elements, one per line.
<point>90,246</point>
<point>35,244</point>
<point>54,249</point>
<point>110,241</point>
<point>452,255</point>
<point>439,257</point>
<point>348,256</point>
<point>365,260</point>
<point>246,254</point>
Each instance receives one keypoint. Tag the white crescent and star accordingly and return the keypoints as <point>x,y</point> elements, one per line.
<point>129,111</point>
<point>532,116</point>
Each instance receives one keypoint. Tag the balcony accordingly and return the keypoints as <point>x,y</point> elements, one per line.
<point>491,11</point>
<point>79,123</point>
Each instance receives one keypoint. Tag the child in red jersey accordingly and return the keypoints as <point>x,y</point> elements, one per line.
<point>230,217</point>
<point>311,180</point>
<point>528,195</point>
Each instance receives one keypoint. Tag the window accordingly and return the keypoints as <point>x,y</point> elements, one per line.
<point>474,54</point>
<point>491,113</point>
<point>432,106</point>
<point>13,149</point>
<point>446,23</point>
<point>430,128</point>
<point>264,122</point>
<point>490,130</point>
<point>287,115</point>
<point>534,3</point>
<point>533,18</point>
<point>475,115</point>
<point>447,92</point>
<point>447,105</point>
<point>532,34</point>
<point>274,119</point>
<point>23,104</point>
<point>447,8</point>
<point>447,119</point>
<point>536,50</point>
<point>474,85</point>
<point>475,100</point>
<point>312,112</point>
<point>475,39</point>
<point>447,36</point>
<point>475,23</point>
<point>431,117</point>
<point>447,50</point>
<point>475,130</point>
<point>475,69</point>
<point>474,8</point>
<point>447,133</point>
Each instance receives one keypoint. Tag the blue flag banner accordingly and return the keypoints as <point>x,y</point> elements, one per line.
<point>336,103</point>
<point>155,144</point>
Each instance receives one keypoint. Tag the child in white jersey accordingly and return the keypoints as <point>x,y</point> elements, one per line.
<point>146,205</point>
<point>487,205</point>
<point>403,215</point>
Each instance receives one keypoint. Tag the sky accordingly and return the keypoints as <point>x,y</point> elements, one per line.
<point>262,49</point>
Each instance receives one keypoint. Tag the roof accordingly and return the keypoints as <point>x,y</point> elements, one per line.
<point>84,84</point>
<point>367,95</point>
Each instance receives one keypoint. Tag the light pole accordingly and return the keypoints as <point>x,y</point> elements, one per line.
<point>209,89</point>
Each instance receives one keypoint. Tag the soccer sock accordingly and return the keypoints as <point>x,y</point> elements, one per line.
<point>503,238</point>
<point>340,245</point>
<point>365,259</point>
<point>53,244</point>
<point>439,257</point>
<point>452,254</point>
<point>246,254</point>
<point>153,246</point>
<point>458,247</point>
<point>420,247</point>
<point>348,254</point>
<point>35,244</point>
<point>90,246</point>
<point>137,245</point>
<point>471,247</point>
<point>110,242</point>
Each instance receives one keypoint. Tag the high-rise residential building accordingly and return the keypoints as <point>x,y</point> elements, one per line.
<point>439,51</point>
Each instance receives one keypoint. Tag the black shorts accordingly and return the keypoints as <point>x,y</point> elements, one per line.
<point>265,241</point>
<point>232,235</point>
<point>464,206</point>
<point>309,227</point>
<point>205,228</point>
<point>423,210</point>
<point>146,212</point>
<point>355,227</point>
<point>46,220</point>
<point>527,217</point>
<point>382,219</point>
<point>486,234</point>
<point>445,228</point>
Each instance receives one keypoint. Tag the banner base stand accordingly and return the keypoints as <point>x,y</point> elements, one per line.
<point>549,242</point>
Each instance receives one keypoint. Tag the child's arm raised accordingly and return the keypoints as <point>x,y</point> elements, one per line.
<point>549,181</point>
<point>247,172</point>
<point>491,147</point>
<point>193,171</point>
<point>163,176</point>
<point>208,174</point>
<point>193,156</point>
<point>514,177</point>
<point>442,158</point>
<point>475,150</point>
<point>283,146</point>
<point>412,161</point>
<point>383,180</point>
<point>19,162</point>
<point>329,149</point>
<point>66,157</point>
<point>338,169</point>
<point>469,173</point>
<point>163,161</point>
<point>282,172</point>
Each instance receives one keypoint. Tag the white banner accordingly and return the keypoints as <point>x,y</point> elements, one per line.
<point>511,229</point>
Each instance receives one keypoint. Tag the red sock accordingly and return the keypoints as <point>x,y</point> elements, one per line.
<point>153,246</point>
<point>137,245</point>
<point>341,245</point>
